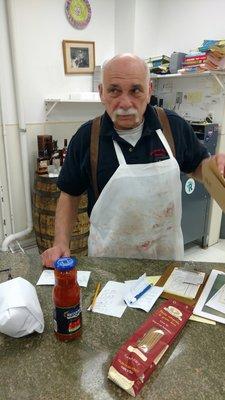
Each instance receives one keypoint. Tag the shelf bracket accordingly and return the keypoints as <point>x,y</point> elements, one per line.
<point>218,80</point>
<point>48,111</point>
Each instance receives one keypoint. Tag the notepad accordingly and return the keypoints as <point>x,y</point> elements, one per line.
<point>212,295</point>
<point>110,300</point>
<point>148,299</point>
<point>184,283</point>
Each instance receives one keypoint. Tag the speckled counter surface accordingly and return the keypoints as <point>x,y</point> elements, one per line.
<point>39,367</point>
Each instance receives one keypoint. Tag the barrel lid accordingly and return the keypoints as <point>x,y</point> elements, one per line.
<point>65,263</point>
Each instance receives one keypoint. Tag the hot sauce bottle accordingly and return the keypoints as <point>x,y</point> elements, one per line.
<point>66,299</point>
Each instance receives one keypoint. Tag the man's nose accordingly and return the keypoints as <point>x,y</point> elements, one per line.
<point>125,101</point>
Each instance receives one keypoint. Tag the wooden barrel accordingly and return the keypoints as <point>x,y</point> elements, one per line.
<point>45,196</point>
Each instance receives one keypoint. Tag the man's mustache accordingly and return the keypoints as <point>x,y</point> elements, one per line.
<point>121,112</point>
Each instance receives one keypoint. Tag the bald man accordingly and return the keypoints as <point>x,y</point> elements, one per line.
<point>138,211</point>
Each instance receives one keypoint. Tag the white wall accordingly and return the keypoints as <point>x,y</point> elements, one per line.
<point>41,26</point>
<point>164,26</point>
<point>147,14</point>
<point>124,26</point>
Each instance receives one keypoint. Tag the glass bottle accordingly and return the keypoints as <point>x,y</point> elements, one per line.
<point>66,299</point>
<point>43,161</point>
<point>55,159</point>
<point>64,152</point>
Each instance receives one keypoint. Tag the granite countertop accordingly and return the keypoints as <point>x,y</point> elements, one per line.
<point>39,367</point>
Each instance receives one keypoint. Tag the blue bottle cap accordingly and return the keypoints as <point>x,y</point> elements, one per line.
<point>65,263</point>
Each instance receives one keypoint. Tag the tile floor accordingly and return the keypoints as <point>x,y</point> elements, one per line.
<point>215,253</point>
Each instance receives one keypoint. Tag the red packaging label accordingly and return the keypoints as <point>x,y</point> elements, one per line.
<point>139,355</point>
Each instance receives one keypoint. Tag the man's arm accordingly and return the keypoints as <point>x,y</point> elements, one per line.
<point>66,214</point>
<point>220,161</point>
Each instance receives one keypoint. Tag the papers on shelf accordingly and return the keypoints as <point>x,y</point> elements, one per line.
<point>110,300</point>
<point>47,278</point>
<point>184,283</point>
<point>147,300</point>
<point>211,303</point>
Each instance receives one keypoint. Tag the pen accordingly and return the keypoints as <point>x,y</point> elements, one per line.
<point>90,308</point>
<point>135,298</point>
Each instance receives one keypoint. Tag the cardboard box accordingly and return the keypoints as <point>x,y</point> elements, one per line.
<point>214,182</point>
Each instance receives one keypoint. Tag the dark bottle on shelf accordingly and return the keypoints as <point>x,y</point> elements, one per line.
<point>43,161</point>
<point>44,145</point>
<point>44,153</point>
<point>64,152</point>
<point>55,159</point>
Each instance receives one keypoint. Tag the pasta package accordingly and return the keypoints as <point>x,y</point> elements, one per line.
<point>139,355</point>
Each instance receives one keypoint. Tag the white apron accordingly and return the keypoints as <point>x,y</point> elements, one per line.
<point>138,213</point>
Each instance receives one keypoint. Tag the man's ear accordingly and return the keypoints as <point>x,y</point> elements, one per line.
<point>100,90</point>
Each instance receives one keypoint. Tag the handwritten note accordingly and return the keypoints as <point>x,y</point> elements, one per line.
<point>148,299</point>
<point>110,300</point>
<point>47,278</point>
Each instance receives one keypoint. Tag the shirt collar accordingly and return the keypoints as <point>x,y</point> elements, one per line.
<point>151,123</point>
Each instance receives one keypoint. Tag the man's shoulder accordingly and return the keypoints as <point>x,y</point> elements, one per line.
<point>83,133</point>
<point>174,117</point>
<point>85,128</point>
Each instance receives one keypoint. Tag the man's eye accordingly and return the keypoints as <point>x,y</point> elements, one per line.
<point>136,90</point>
<point>113,90</point>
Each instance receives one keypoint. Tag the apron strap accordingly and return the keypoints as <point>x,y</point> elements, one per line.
<point>119,153</point>
<point>94,145</point>
<point>163,119</point>
<point>164,142</point>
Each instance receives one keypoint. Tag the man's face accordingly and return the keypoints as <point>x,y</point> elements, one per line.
<point>125,92</point>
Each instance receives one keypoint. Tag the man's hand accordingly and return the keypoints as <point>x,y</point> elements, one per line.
<point>50,255</point>
<point>220,162</point>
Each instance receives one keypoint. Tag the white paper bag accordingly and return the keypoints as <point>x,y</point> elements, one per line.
<point>20,310</point>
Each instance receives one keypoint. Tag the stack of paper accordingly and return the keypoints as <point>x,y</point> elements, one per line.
<point>140,294</point>
<point>116,296</point>
<point>211,303</point>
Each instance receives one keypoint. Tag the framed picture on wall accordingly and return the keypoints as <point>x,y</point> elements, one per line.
<point>79,57</point>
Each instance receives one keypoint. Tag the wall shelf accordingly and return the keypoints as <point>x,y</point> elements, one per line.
<point>213,74</point>
<point>78,97</point>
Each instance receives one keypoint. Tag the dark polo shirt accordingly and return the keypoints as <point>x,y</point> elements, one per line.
<point>75,175</point>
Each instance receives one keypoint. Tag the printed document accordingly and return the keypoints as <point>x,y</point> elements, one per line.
<point>47,278</point>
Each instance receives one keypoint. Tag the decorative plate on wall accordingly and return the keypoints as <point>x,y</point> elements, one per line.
<point>78,13</point>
